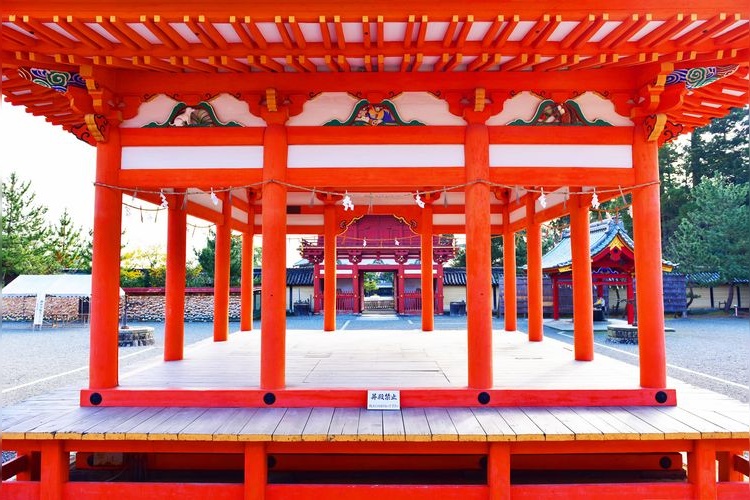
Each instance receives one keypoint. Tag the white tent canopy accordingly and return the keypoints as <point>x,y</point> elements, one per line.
<point>42,286</point>
<point>55,285</point>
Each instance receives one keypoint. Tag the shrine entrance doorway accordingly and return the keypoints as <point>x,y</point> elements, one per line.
<point>378,292</point>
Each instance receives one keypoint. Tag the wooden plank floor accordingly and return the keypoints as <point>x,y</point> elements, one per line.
<point>384,359</point>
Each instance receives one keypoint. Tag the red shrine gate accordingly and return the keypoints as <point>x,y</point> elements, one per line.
<point>380,243</point>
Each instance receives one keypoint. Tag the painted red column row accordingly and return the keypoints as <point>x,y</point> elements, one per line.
<point>509,273</point>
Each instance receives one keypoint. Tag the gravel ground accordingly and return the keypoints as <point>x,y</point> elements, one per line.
<point>717,346</point>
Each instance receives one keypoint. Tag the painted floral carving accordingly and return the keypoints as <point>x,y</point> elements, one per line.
<point>695,78</point>
<point>199,115</point>
<point>550,112</point>
<point>58,81</point>
<point>366,114</point>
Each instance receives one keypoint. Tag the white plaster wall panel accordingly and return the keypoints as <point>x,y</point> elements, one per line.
<point>311,32</point>
<point>520,31</point>
<point>521,106</point>
<point>238,214</point>
<point>426,108</point>
<point>185,32</point>
<point>436,31</point>
<point>199,157</point>
<point>651,26</point>
<point>270,32</point>
<point>395,32</point>
<point>563,29</point>
<point>428,62</point>
<point>305,220</point>
<point>561,155</point>
<point>370,155</point>
<point>453,294</point>
<point>142,30</point>
<point>324,108</point>
<point>227,32</point>
<point>596,107</point>
<point>448,219</point>
<point>478,31</point>
<point>154,110</point>
<point>228,109</point>
<point>517,213</point>
<point>496,219</point>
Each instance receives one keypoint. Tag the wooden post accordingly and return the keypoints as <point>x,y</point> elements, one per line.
<point>246,283</point>
<point>105,271</point>
<point>647,240</point>
<point>355,286</point>
<point>174,289</point>
<point>630,303</point>
<point>555,298</point>
<point>428,294</point>
<point>222,257</point>
<point>583,302</point>
<point>534,278</point>
<point>702,469</point>
<point>55,464</point>
<point>329,267</point>
<point>498,470</point>
<point>478,260</point>
<point>440,299</point>
<point>510,295</point>
<point>317,302</point>
<point>273,291</point>
<point>256,471</point>
<point>400,302</point>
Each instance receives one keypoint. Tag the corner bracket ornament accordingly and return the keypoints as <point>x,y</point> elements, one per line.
<point>654,125</point>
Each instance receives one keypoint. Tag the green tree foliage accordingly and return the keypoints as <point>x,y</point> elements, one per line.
<point>713,237</point>
<point>24,247</point>
<point>144,267</point>
<point>207,257</point>
<point>718,148</point>
<point>69,249</point>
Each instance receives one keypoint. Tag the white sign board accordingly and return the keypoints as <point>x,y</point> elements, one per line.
<point>39,310</point>
<point>383,400</point>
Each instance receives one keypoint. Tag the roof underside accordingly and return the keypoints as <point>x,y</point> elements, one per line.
<point>331,37</point>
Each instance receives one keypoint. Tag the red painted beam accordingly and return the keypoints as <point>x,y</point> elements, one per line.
<point>354,398</point>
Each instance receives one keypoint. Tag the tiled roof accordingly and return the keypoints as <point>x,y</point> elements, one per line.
<point>709,278</point>
<point>456,276</point>
<point>601,235</point>
<point>295,276</point>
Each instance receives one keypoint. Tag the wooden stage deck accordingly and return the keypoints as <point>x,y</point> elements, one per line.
<point>266,443</point>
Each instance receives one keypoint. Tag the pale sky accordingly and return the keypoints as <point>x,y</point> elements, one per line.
<point>61,169</point>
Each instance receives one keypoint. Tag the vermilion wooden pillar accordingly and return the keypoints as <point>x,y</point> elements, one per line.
<point>329,268</point>
<point>273,291</point>
<point>174,290</point>
<point>247,273</point>
<point>54,470</point>
<point>583,302</point>
<point>317,302</point>
<point>478,260</point>
<point>534,273</point>
<point>440,297</point>
<point>510,303</point>
<point>428,294</point>
<point>400,306</point>
<point>648,277</point>
<point>630,304</point>
<point>555,298</point>
<point>221,271</point>
<point>355,287</point>
<point>105,271</point>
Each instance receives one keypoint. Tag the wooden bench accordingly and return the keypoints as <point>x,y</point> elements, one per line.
<point>626,334</point>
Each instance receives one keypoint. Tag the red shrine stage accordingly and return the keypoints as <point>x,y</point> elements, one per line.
<point>295,117</point>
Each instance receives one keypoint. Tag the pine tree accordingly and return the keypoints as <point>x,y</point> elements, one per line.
<point>25,247</point>
<point>70,250</point>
